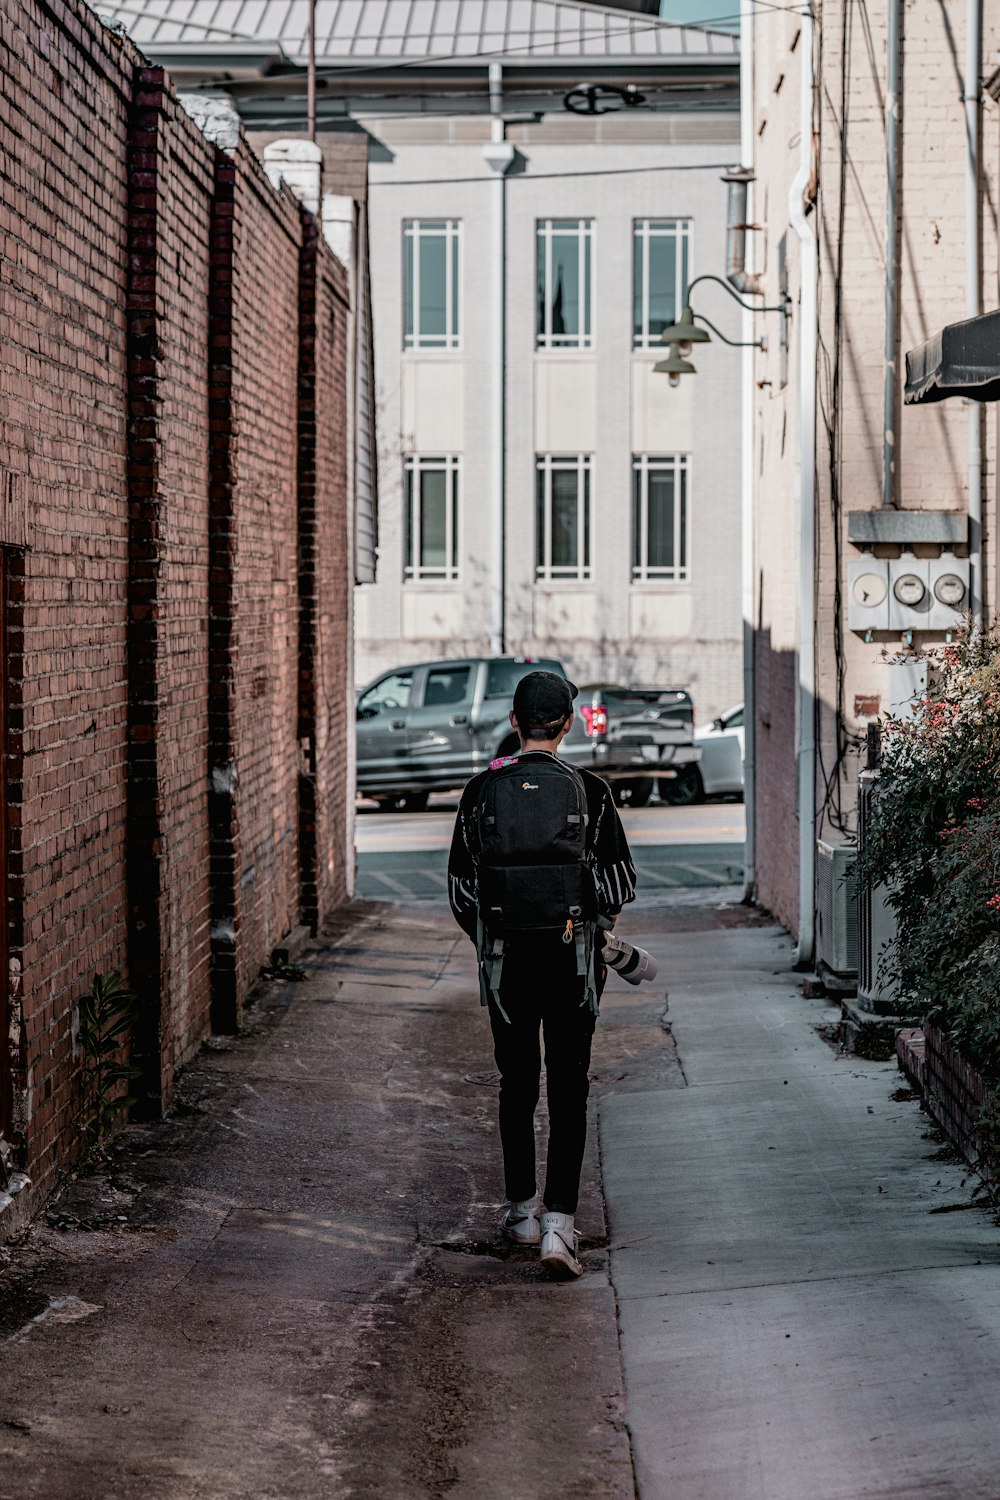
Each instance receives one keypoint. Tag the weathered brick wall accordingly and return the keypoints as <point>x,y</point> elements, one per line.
<point>152,441</point>
<point>64,216</point>
<point>266,235</point>
<point>325,568</point>
<point>172,184</point>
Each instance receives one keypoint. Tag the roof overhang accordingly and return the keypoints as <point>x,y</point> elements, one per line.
<point>963,359</point>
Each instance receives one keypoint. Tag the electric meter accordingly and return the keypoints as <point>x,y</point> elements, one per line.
<point>870,589</point>
<point>950,589</point>
<point>909,589</point>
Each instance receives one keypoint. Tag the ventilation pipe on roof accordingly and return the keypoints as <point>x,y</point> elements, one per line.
<point>739,179</point>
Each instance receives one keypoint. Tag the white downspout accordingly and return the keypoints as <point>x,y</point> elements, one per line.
<point>806,746</point>
<point>498,154</point>
<point>974,305</point>
<point>748,558</point>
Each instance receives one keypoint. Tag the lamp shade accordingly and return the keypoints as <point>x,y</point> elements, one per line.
<point>685,332</point>
<point>675,366</point>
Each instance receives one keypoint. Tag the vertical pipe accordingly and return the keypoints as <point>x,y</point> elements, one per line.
<point>748,554</point>
<point>972,94</point>
<point>311,75</point>
<point>499,154</point>
<point>891,383</point>
<point>806,704</point>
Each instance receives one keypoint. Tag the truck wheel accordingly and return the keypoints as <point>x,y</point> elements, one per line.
<point>634,792</point>
<point>686,787</point>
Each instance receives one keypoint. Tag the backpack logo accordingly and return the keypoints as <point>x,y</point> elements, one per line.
<point>529,786</point>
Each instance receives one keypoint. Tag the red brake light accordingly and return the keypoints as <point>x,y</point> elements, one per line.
<point>595,719</point>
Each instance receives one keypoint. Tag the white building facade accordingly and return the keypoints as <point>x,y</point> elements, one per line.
<point>541,490</point>
<point>621,493</point>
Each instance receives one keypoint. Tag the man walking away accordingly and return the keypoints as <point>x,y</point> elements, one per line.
<point>539,866</point>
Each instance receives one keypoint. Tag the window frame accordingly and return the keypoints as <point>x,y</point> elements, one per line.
<point>414,465</point>
<point>546,464</point>
<point>680,465</point>
<point>680,232</point>
<point>544,232</point>
<point>415,231</point>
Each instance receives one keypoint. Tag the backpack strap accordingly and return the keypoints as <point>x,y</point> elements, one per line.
<point>490,953</point>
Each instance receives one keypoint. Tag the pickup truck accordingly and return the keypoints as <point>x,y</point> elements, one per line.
<point>431,726</point>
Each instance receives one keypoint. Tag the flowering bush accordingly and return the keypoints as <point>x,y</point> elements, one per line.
<point>935,844</point>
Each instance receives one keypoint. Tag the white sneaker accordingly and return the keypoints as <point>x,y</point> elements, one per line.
<point>520,1222</point>
<point>559,1244</point>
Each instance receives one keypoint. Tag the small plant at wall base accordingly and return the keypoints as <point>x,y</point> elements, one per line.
<point>107,1015</point>
<point>933,839</point>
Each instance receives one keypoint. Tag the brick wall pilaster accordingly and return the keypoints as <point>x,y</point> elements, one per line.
<point>222,631</point>
<point>144,839</point>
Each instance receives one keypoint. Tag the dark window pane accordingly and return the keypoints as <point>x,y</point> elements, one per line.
<point>408,285</point>
<point>432,519</point>
<point>662,283</point>
<point>564,294</point>
<point>432,286</point>
<point>637,327</point>
<point>660,519</point>
<point>637,518</point>
<point>564,519</point>
<point>586,518</point>
<point>683,486</point>
<point>446,685</point>
<point>540,557</point>
<point>503,676</point>
<point>454,285</point>
<point>410,539</point>
<point>540,273</point>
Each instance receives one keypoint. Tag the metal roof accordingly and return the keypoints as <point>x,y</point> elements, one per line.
<point>359,32</point>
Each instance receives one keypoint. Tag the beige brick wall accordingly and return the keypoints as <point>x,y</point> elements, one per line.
<point>849,220</point>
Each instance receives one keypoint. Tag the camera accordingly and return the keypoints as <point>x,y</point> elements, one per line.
<point>633,964</point>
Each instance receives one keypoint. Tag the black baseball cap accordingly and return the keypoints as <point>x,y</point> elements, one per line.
<point>543,698</point>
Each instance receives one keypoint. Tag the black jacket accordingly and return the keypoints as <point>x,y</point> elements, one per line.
<point>606,838</point>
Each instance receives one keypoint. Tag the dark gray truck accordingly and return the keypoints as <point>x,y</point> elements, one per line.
<point>430,727</point>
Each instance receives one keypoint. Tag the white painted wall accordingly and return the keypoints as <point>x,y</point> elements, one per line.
<point>605,401</point>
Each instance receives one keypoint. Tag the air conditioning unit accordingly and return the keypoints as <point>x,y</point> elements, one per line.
<point>876,921</point>
<point>836,913</point>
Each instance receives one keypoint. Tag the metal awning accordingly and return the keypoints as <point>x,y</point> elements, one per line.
<point>962,360</point>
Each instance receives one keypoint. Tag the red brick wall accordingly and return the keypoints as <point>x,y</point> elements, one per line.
<point>263,681</point>
<point>64,217</point>
<point>325,567</point>
<point>172,184</point>
<point>151,360</point>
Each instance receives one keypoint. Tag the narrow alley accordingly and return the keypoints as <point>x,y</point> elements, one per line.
<point>295,1287</point>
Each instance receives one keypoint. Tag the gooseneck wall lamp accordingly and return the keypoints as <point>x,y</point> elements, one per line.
<point>680,337</point>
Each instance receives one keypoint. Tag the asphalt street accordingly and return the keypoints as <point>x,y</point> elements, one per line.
<point>404,856</point>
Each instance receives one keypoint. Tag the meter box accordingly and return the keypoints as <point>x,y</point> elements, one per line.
<point>909,593</point>
<point>868,594</point>
<point>949,591</point>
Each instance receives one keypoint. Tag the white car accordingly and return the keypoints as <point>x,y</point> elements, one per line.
<point>721,765</point>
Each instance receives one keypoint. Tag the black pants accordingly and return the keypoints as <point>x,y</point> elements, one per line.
<point>541,991</point>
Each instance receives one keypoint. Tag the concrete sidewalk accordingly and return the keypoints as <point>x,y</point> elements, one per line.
<point>805,1312</point>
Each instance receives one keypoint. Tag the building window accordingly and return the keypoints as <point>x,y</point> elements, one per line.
<point>430,283</point>
<point>565,283</point>
<point>660,276</point>
<point>659,519</point>
<point>563,517</point>
<point>431,519</point>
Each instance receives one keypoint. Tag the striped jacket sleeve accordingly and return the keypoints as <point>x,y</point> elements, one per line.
<point>612,858</point>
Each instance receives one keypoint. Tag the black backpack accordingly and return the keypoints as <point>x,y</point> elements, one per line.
<point>535,876</point>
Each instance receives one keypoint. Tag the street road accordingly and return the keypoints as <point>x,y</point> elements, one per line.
<point>404,856</point>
